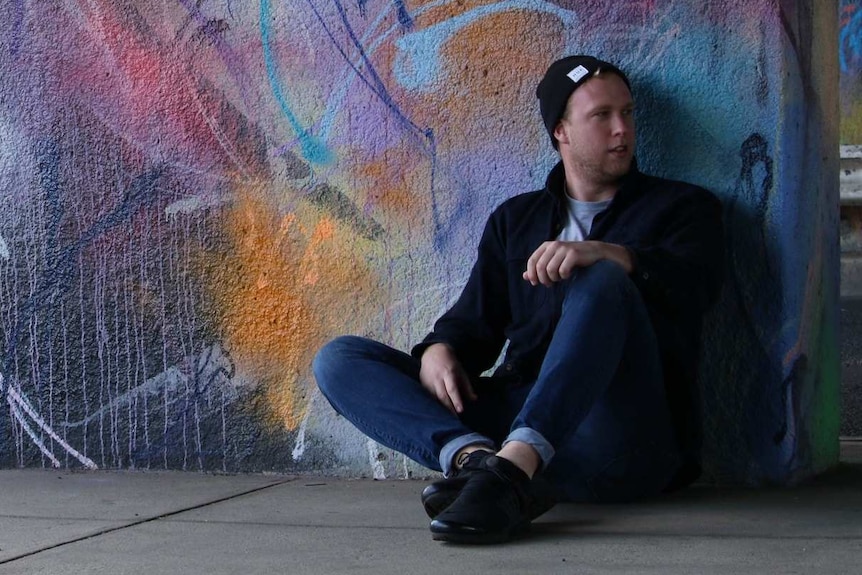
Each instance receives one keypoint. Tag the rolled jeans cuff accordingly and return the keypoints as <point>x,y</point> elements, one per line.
<point>534,439</point>
<point>447,454</point>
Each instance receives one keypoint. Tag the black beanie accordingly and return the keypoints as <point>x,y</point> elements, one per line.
<point>564,77</point>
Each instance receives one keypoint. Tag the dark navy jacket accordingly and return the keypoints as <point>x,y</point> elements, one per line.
<point>673,231</point>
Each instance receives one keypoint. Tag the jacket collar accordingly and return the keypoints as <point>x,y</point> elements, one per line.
<point>555,188</point>
<point>555,185</point>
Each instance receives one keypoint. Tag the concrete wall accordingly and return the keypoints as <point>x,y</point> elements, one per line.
<point>196,195</point>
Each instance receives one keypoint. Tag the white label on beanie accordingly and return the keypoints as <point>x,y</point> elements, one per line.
<point>577,74</point>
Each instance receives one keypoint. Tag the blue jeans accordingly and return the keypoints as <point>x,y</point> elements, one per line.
<point>597,413</point>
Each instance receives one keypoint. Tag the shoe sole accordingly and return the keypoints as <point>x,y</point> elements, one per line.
<point>467,538</point>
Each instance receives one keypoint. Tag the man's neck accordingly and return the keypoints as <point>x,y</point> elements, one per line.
<point>590,191</point>
<point>582,187</point>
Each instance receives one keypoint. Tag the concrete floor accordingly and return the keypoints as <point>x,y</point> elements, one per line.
<point>169,522</point>
<point>54,522</point>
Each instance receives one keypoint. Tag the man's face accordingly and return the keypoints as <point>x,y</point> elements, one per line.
<point>597,133</point>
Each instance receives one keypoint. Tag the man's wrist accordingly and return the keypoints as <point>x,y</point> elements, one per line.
<point>438,346</point>
<point>619,254</point>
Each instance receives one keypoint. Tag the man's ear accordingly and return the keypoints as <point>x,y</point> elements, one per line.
<point>560,134</point>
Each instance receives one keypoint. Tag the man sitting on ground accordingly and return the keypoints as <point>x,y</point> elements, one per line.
<point>598,282</point>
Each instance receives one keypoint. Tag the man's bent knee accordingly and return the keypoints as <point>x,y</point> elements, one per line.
<point>605,271</point>
<point>604,278</point>
<point>333,359</point>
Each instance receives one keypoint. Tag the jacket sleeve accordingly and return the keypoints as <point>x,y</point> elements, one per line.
<point>475,325</point>
<point>683,271</point>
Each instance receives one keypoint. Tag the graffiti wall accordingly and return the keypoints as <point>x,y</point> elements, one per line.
<point>195,195</point>
<point>850,62</point>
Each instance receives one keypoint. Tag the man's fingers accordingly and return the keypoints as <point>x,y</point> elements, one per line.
<point>442,394</point>
<point>538,270</point>
<point>443,377</point>
<point>568,265</point>
<point>554,263</point>
<point>448,390</point>
<point>544,271</point>
<point>454,393</point>
<point>536,264</point>
<point>531,275</point>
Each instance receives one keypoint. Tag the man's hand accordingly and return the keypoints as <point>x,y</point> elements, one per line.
<point>554,261</point>
<point>442,375</point>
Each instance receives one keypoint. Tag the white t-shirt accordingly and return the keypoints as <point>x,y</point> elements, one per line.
<point>581,215</point>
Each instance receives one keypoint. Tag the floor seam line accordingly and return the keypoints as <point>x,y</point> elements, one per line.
<point>144,521</point>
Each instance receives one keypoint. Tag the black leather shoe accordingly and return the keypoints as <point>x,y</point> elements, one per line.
<point>496,504</point>
<point>440,494</point>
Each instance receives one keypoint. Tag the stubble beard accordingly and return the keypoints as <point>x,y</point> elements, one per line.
<point>605,173</point>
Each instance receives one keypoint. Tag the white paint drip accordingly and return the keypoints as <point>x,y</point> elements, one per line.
<point>15,401</point>
<point>168,381</point>
<point>45,451</point>
<point>374,458</point>
<point>299,446</point>
<point>218,133</point>
<point>171,381</point>
<point>185,206</point>
<point>199,202</point>
<point>4,249</point>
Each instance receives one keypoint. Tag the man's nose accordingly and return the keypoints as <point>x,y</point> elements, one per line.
<point>621,124</point>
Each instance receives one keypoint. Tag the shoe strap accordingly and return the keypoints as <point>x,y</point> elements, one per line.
<point>512,474</point>
<point>475,458</point>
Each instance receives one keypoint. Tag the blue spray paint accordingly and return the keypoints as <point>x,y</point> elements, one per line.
<point>425,136</point>
<point>850,43</point>
<point>401,11</point>
<point>336,101</point>
<point>417,64</point>
<point>403,16</point>
<point>313,149</point>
